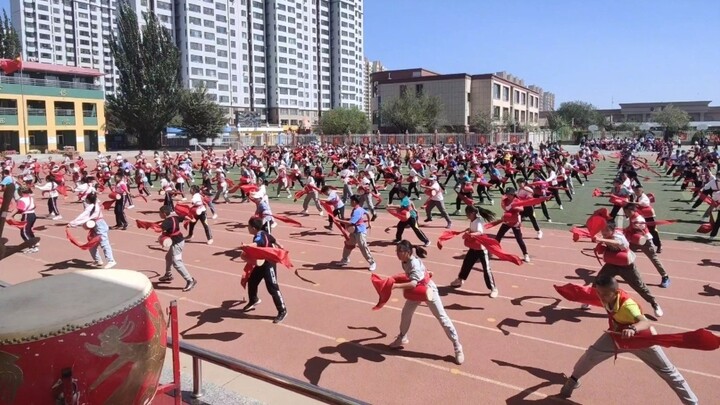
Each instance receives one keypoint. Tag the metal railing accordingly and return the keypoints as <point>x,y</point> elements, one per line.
<point>37,112</point>
<point>8,111</point>
<point>64,112</point>
<point>26,81</point>
<point>200,355</point>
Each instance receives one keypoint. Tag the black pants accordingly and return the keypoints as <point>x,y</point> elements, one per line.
<point>53,206</point>
<point>654,232</point>
<point>631,276</point>
<point>529,213</point>
<point>412,223</point>
<point>27,232</point>
<point>459,200</point>
<point>168,200</point>
<point>393,192</point>
<point>411,187</point>
<point>202,218</point>
<point>120,219</point>
<point>266,272</point>
<point>472,257</point>
<point>337,212</point>
<point>483,190</point>
<point>518,236</point>
<point>716,226</point>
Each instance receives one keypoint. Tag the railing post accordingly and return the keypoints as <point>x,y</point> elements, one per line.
<point>197,378</point>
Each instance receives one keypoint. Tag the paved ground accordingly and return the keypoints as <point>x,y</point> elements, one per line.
<point>517,346</point>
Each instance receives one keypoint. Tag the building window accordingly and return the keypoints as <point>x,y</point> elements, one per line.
<point>506,94</point>
<point>403,90</point>
<point>418,88</point>
<point>496,110</point>
<point>496,91</point>
<point>522,99</point>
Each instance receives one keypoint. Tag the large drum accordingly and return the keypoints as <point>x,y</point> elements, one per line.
<point>105,327</point>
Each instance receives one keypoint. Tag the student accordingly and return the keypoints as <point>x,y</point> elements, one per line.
<point>171,228</point>
<point>620,261</point>
<point>200,214</point>
<point>120,188</point>
<point>359,220</point>
<point>407,205</point>
<point>25,206</point>
<point>51,187</point>
<point>523,193</point>
<point>311,194</point>
<point>511,220</point>
<point>336,202</point>
<point>478,217</point>
<point>437,200</point>
<point>262,210</point>
<point>414,268</point>
<point>266,271</point>
<point>94,212</point>
<point>626,319</point>
<point>641,239</point>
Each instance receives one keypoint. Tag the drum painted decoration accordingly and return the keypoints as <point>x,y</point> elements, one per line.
<point>105,326</point>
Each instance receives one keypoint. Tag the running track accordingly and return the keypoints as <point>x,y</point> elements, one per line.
<point>516,346</point>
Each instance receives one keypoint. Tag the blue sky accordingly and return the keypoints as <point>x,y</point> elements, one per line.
<point>591,50</point>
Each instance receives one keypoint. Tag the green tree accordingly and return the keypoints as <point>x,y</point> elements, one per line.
<point>411,113</point>
<point>10,46</point>
<point>148,63</point>
<point>344,121</point>
<point>672,118</point>
<point>481,123</point>
<point>579,114</point>
<point>201,117</point>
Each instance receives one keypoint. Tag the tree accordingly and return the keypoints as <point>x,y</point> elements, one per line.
<point>672,118</point>
<point>579,114</point>
<point>481,123</point>
<point>148,63</point>
<point>344,121</point>
<point>411,113</point>
<point>201,117</point>
<point>10,46</point>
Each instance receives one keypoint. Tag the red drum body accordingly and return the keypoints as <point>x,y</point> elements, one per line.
<point>115,196</point>
<point>105,326</point>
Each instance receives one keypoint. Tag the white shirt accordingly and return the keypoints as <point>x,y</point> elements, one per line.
<point>476,226</point>
<point>88,214</point>
<point>198,203</point>
<point>334,199</point>
<point>438,192</point>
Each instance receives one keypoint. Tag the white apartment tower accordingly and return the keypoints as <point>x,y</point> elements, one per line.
<point>67,32</point>
<point>284,60</point>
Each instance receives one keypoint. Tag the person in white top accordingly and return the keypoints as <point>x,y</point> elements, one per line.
<point>94,212</point>
<point>436,201</point>
<point>51,187</point>
<point>478,217</point>
<point>525,192</point>
<point>345,175</point>
<point>25,206</point>
<point>337,204</point>
<point>311,195</point>
<point>198,205</point>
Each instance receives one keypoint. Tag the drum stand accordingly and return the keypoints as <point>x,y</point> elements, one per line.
<point>173,387</point>
<point>6,251</point>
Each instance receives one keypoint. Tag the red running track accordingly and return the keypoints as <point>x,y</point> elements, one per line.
<point>517,346</point>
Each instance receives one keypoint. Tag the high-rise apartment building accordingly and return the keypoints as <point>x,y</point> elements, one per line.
<point>547,99</point>
<point>284,60</point>
<point>370,68</point>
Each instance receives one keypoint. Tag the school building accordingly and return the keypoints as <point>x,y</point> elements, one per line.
<point>46,108</point>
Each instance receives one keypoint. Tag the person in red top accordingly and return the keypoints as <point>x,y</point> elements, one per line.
<point>511,220</point>
<point>171,229</point>
<point>626,320</point>
<point>640,238</point>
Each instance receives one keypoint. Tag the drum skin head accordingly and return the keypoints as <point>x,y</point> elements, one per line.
<point>68,301</point>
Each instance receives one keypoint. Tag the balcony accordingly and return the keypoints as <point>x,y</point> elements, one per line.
<point>90,118</point>
<point>8,116</point>
<point>24,81</point>
<point>64,117</point>
<point>37,116</point>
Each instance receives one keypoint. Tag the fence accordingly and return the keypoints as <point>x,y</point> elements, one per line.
<point>278,139</point>
<point>425,139</point>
